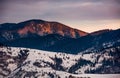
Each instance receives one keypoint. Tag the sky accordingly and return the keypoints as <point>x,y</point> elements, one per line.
<point>86,15</point>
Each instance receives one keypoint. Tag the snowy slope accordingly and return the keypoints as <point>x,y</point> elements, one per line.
<point>32,63</point>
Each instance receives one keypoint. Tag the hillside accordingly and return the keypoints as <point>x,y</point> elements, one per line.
<point>25,62</point>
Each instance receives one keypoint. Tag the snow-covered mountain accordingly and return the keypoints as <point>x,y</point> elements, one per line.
<point>54,50</point>
<point>32,63</point>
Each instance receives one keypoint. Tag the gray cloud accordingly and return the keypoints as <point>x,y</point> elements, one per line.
<point>16,10</point>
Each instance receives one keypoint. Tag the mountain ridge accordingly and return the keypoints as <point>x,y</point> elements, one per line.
<point>100,31</point>
<point>53,36</point>
<point>41,27</point>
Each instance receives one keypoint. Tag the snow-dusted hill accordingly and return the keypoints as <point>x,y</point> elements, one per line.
<point>32,63</point>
